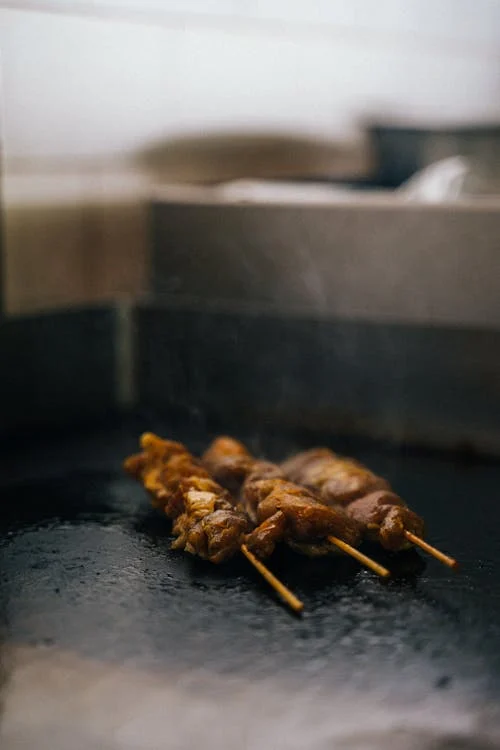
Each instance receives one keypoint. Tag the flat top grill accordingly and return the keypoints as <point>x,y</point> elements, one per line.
<point>86,566</point>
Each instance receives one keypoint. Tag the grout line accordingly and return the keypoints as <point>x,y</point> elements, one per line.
<point>124,352</point>
<point>185,21</point>
<point>159,300</point>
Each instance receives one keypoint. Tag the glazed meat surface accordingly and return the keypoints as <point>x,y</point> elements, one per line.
<point>209,527</point>
<point>228,462</point>
<point>338,480</point>
<point>252,491</point>
<point>163,482</point>
<point>135,464</point>
<point>384,517</point>
<point>367,498</point>
<point>160,450</point>
<point>281,510</point>
<point>289,513</point>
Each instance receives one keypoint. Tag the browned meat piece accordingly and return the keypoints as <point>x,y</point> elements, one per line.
<point>228,461</point>
<point>296,465</point>
<point>160,466</point>
<point>251,491</point>
<point>180,467</point>
<point>296,516</point>
<point>225,446</point>
<point>384,518</point>
<point>307,518</point>
<point>263,470</point>
<point>254,493</point>
<point>160,450</point>
<point>209,527</point>
<point>262,540</point>
<point>216,538</point>
<point>163,482</point>
<point>134,465</point>
<point>338,480</point>
<point>202,496</point>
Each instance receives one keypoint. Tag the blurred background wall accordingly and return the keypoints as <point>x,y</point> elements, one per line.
<point>96,95</point>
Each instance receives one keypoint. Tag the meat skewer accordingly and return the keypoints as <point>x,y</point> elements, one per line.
<point>282,510</point>
<point>205,521</point>
<point>383,515</point>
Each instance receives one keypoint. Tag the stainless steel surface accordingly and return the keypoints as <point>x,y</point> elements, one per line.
<point>371,259</point>
<point>368,315</point>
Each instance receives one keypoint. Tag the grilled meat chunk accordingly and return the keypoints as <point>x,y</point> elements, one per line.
<point>251,490</point>
<point>160,450</point>
<point>283,511</point>
<point>384,518</point>
<point>160,467</point>
<point>163,482</point>
<point>228,462</point>
<point>209,527</point>
<point>338,480</point>
<point>216,537</point>
<point>135,464</point>
<point>290,513</point>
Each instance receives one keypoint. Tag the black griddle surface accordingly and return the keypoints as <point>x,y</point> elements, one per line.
<point>86,564</point>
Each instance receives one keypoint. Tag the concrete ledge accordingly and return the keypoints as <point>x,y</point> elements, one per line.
<point>57,367</point>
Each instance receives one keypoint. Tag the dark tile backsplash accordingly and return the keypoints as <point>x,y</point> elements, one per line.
<point>57,367</point>
<point>436,386</point>
<point>433,385</point>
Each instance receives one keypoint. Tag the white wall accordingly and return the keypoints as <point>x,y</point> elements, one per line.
<point>95,85</point>
<point>88,84</point>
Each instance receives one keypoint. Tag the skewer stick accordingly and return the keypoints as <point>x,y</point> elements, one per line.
<point>279,587</point>
<point>360,557</point>
<point>445,559</point>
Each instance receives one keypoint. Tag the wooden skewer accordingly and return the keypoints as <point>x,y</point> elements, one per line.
<point>360,557</point>
<point>445,559</point>
<point>279,587</point>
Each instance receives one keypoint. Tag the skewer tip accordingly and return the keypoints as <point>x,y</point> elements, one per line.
<point>450,562</point>
<point>293,602</point>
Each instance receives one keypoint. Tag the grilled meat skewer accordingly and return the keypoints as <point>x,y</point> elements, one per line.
<point>205,520</point>
<point>384,516</point>
<point>365,496</point>
<point>283,510</point>
<point>339,480</point>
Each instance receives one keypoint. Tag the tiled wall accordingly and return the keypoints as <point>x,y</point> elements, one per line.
<point>87,86</point>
